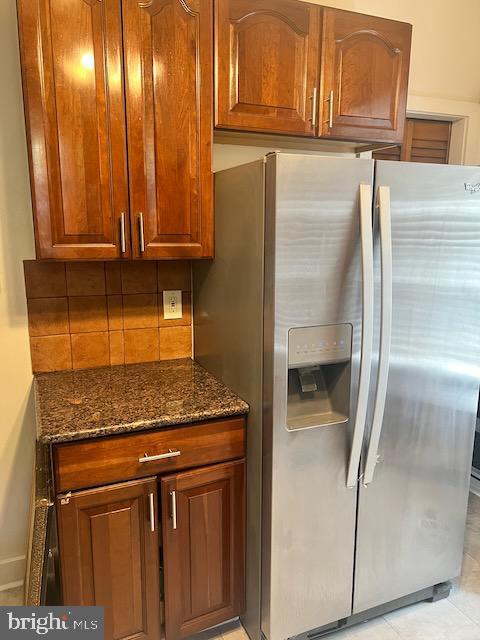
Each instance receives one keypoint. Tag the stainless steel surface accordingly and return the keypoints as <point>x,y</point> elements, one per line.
<point>366,237</point>
<point>330,109</point>
<point>151,502</point>
<point>173,500</point>
<point>383,203</point>
<point>228,332</point>
<point>141,232</point>
<point>312,267</point>
<point>314,107</point>
<point>160,456</point>
<point>123,245</point>
<point>411,518</point>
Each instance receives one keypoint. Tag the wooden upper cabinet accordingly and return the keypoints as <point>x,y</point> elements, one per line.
<point>74,105</point>
<point>267,63</point>
<point>168,47</point>
<point>365,76</point>
<point>203,522</point>
<point>109,556</point>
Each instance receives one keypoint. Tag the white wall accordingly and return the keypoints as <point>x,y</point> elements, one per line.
<point>16,243</point>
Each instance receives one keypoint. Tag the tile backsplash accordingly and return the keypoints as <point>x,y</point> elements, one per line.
<point>94,314</point>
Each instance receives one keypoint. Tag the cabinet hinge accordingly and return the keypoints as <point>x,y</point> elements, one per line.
<point>65,499</point>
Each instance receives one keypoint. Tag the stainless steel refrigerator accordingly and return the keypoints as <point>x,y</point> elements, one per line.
<point>343,305</point>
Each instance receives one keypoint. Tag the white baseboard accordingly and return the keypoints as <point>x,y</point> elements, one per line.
<point>475,486</point>
<point>12,572</point>
<point>11,585</point>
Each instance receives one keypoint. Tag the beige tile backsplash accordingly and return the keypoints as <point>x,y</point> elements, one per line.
<point>94,314</point>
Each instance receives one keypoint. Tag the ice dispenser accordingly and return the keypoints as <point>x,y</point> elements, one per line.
<point>319,369</point>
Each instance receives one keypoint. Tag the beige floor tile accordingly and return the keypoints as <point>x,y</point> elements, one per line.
<point>472,542</point>
<point>12,597</point>
<point>234,631</point>
<point>473,515</point>
<point>437,621</point>
<point>466,592</point>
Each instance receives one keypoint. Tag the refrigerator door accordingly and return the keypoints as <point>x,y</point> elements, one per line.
<point>312,279</point>
<point>411,517</point>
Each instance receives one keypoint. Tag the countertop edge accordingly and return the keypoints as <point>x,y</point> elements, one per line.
<point>140,426</point>
<point>38,546</point>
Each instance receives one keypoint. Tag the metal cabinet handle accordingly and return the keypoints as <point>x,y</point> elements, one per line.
<point>160,456</point>
<point>173,498</point>
<point>123,243</point>
<point>141,232</point>
<point>367,332</point>
<point>314,107</point>
<point>330,110</point>
<point>383,196</point>
<point>152,512</point>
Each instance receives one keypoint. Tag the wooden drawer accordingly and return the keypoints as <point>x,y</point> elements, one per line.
<point>100,461</point>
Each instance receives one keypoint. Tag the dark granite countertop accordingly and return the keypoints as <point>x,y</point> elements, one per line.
<point>73,405</point>
<point>38,530</point>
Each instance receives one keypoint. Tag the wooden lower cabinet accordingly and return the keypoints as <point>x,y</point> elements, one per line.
<point>203,547</point>
<point>109,556</point>
<point>109,551</point>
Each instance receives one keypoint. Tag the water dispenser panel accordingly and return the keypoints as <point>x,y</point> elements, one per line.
<point>319,372</point>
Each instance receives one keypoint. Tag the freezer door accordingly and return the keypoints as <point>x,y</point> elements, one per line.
<point>312,278</point>
<point>411,516</point>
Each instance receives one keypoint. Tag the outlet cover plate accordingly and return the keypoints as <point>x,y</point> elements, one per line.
<point>172,305</point>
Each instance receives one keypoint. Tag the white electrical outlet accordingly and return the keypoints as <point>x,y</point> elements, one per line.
<point>172,305</point>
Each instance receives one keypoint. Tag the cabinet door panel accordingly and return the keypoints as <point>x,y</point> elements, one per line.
<point>266,65</point>
<point>366,63</point>
<point>109,556</point>
<point>204,552</point>
<point>168,54</point>
<point>74,104</point>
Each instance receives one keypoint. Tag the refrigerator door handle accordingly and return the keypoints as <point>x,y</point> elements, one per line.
<point>383,200</point>
<point>366,234</point>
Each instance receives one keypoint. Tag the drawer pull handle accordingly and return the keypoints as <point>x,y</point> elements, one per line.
<point>160,456</point>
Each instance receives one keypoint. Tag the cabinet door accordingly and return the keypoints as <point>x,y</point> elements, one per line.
<point>74,105</point>
<point>203,545</point>
<point>109,556</point>
<point>266,65</point>
<point>168,58</point>
<point>365,76</point>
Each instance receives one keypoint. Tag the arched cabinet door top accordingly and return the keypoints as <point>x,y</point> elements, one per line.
<point>263,14</point>
<point>155,6</point>
<point>74,104</point>
<point>365,79</point>
<point>266,65</point>
<point>375,36</point>
<point>168,50</point>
